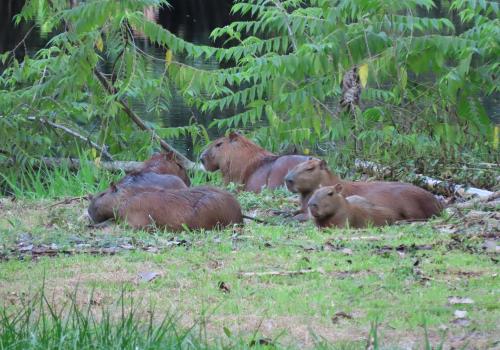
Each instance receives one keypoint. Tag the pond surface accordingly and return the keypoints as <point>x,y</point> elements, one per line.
<point>192,20</point>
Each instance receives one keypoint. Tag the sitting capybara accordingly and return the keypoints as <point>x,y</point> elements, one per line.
<point>165,163</point>
<point>410,202</point>
<point>329,207</point>
<point>104,205</point>
<point>243,162</point>
<point>195,208</point>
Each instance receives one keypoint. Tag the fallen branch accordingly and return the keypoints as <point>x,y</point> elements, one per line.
<point>429,183</point>
<point>101,149</point>
<point>140,123</point>
<point>481,200</point>
<point>279,273</point>
<point>75,164</point>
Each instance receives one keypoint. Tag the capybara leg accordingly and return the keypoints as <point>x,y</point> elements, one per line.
<point>139,220</point>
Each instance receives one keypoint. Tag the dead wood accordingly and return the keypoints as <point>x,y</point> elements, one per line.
<point>434,185</point>
<point>279,273</point>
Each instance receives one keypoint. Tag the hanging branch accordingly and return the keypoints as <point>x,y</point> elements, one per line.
<point>280,7</point>
<point>101,149</point>
<point>140,123</point>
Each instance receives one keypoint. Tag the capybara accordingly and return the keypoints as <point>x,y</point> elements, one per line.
<point>103,205</point>
<point>409,201</point>
<point>202,207</point>
<point>165,163</point>
<point>243,162</point>
<point>329,207</point>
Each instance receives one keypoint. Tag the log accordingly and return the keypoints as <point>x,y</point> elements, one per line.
<point>429,183</point>
<point>493,199</point>
<point>75,164</point>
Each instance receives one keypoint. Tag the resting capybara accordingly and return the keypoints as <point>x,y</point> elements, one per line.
<point>409,201</point>
<point>329,207</point>
<point>103,205</point>
<point>165,163</point>
<point>243,162</point>
<point>195,208</point>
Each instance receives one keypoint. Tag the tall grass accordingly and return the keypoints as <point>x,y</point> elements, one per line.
<point>44,182</point>
<point>37,182</point>
<point>39,323</point>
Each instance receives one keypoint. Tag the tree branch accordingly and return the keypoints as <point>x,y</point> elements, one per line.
<point>102,149</point>
<point>287,22</point>
<point>140,123</point>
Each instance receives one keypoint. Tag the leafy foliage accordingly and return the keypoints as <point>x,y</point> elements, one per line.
<point>428,68</point>
<point>426,82</point>
<point>58,83</point>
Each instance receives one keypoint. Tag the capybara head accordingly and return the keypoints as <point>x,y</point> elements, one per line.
<point>326,201</point>
<point>218,152</point>
<point>306,176</point>
<point>166,163</point>
<point>102,204</point>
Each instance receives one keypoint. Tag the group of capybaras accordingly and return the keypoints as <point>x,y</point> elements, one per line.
<point>158,194</point>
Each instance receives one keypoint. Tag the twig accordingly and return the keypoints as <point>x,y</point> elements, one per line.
<point>140,123</point>
<point>280,273</point>
<point>67,130</point>
<point>287,22</point>
<point>68,200</point>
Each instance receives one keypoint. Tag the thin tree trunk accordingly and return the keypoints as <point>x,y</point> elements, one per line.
<point>102,149</point>
<point>140,123</point>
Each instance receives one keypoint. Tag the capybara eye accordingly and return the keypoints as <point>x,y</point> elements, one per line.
<point>330,193</point>
<point>310,169</point>
<point>218,144</point>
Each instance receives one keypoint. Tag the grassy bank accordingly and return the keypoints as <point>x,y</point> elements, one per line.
<point>286,282</point>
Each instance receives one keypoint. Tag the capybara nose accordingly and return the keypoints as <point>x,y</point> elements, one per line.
<point>202,158</point>
<point>313,208</point>
<point>289,181</point>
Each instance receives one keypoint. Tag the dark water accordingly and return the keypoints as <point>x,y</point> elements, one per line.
<point>192,20</point>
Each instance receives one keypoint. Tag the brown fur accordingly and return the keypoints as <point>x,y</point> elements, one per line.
<point>165,163</point>
<point>103,205</point>
<point>243,162</point>
<point>329,207</point>
<point>409,201</point>
<point>196,208</point>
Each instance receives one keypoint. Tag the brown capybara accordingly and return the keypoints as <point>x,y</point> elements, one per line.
<point>103,205</point>
<point>409,201</point>
<point>243,162</point>
<point>165,163</point>
<point>329,207</point>
<point>195,208</point>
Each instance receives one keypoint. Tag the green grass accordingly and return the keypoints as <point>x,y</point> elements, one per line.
<point>399,277</point>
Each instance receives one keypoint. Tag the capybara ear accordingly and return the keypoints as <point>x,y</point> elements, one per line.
<point>169,155</point>
<point>233,135</point>
<point>322,164</point>
<point>338,188</point>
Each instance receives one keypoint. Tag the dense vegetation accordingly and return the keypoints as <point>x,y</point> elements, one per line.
<point>426,68</point>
